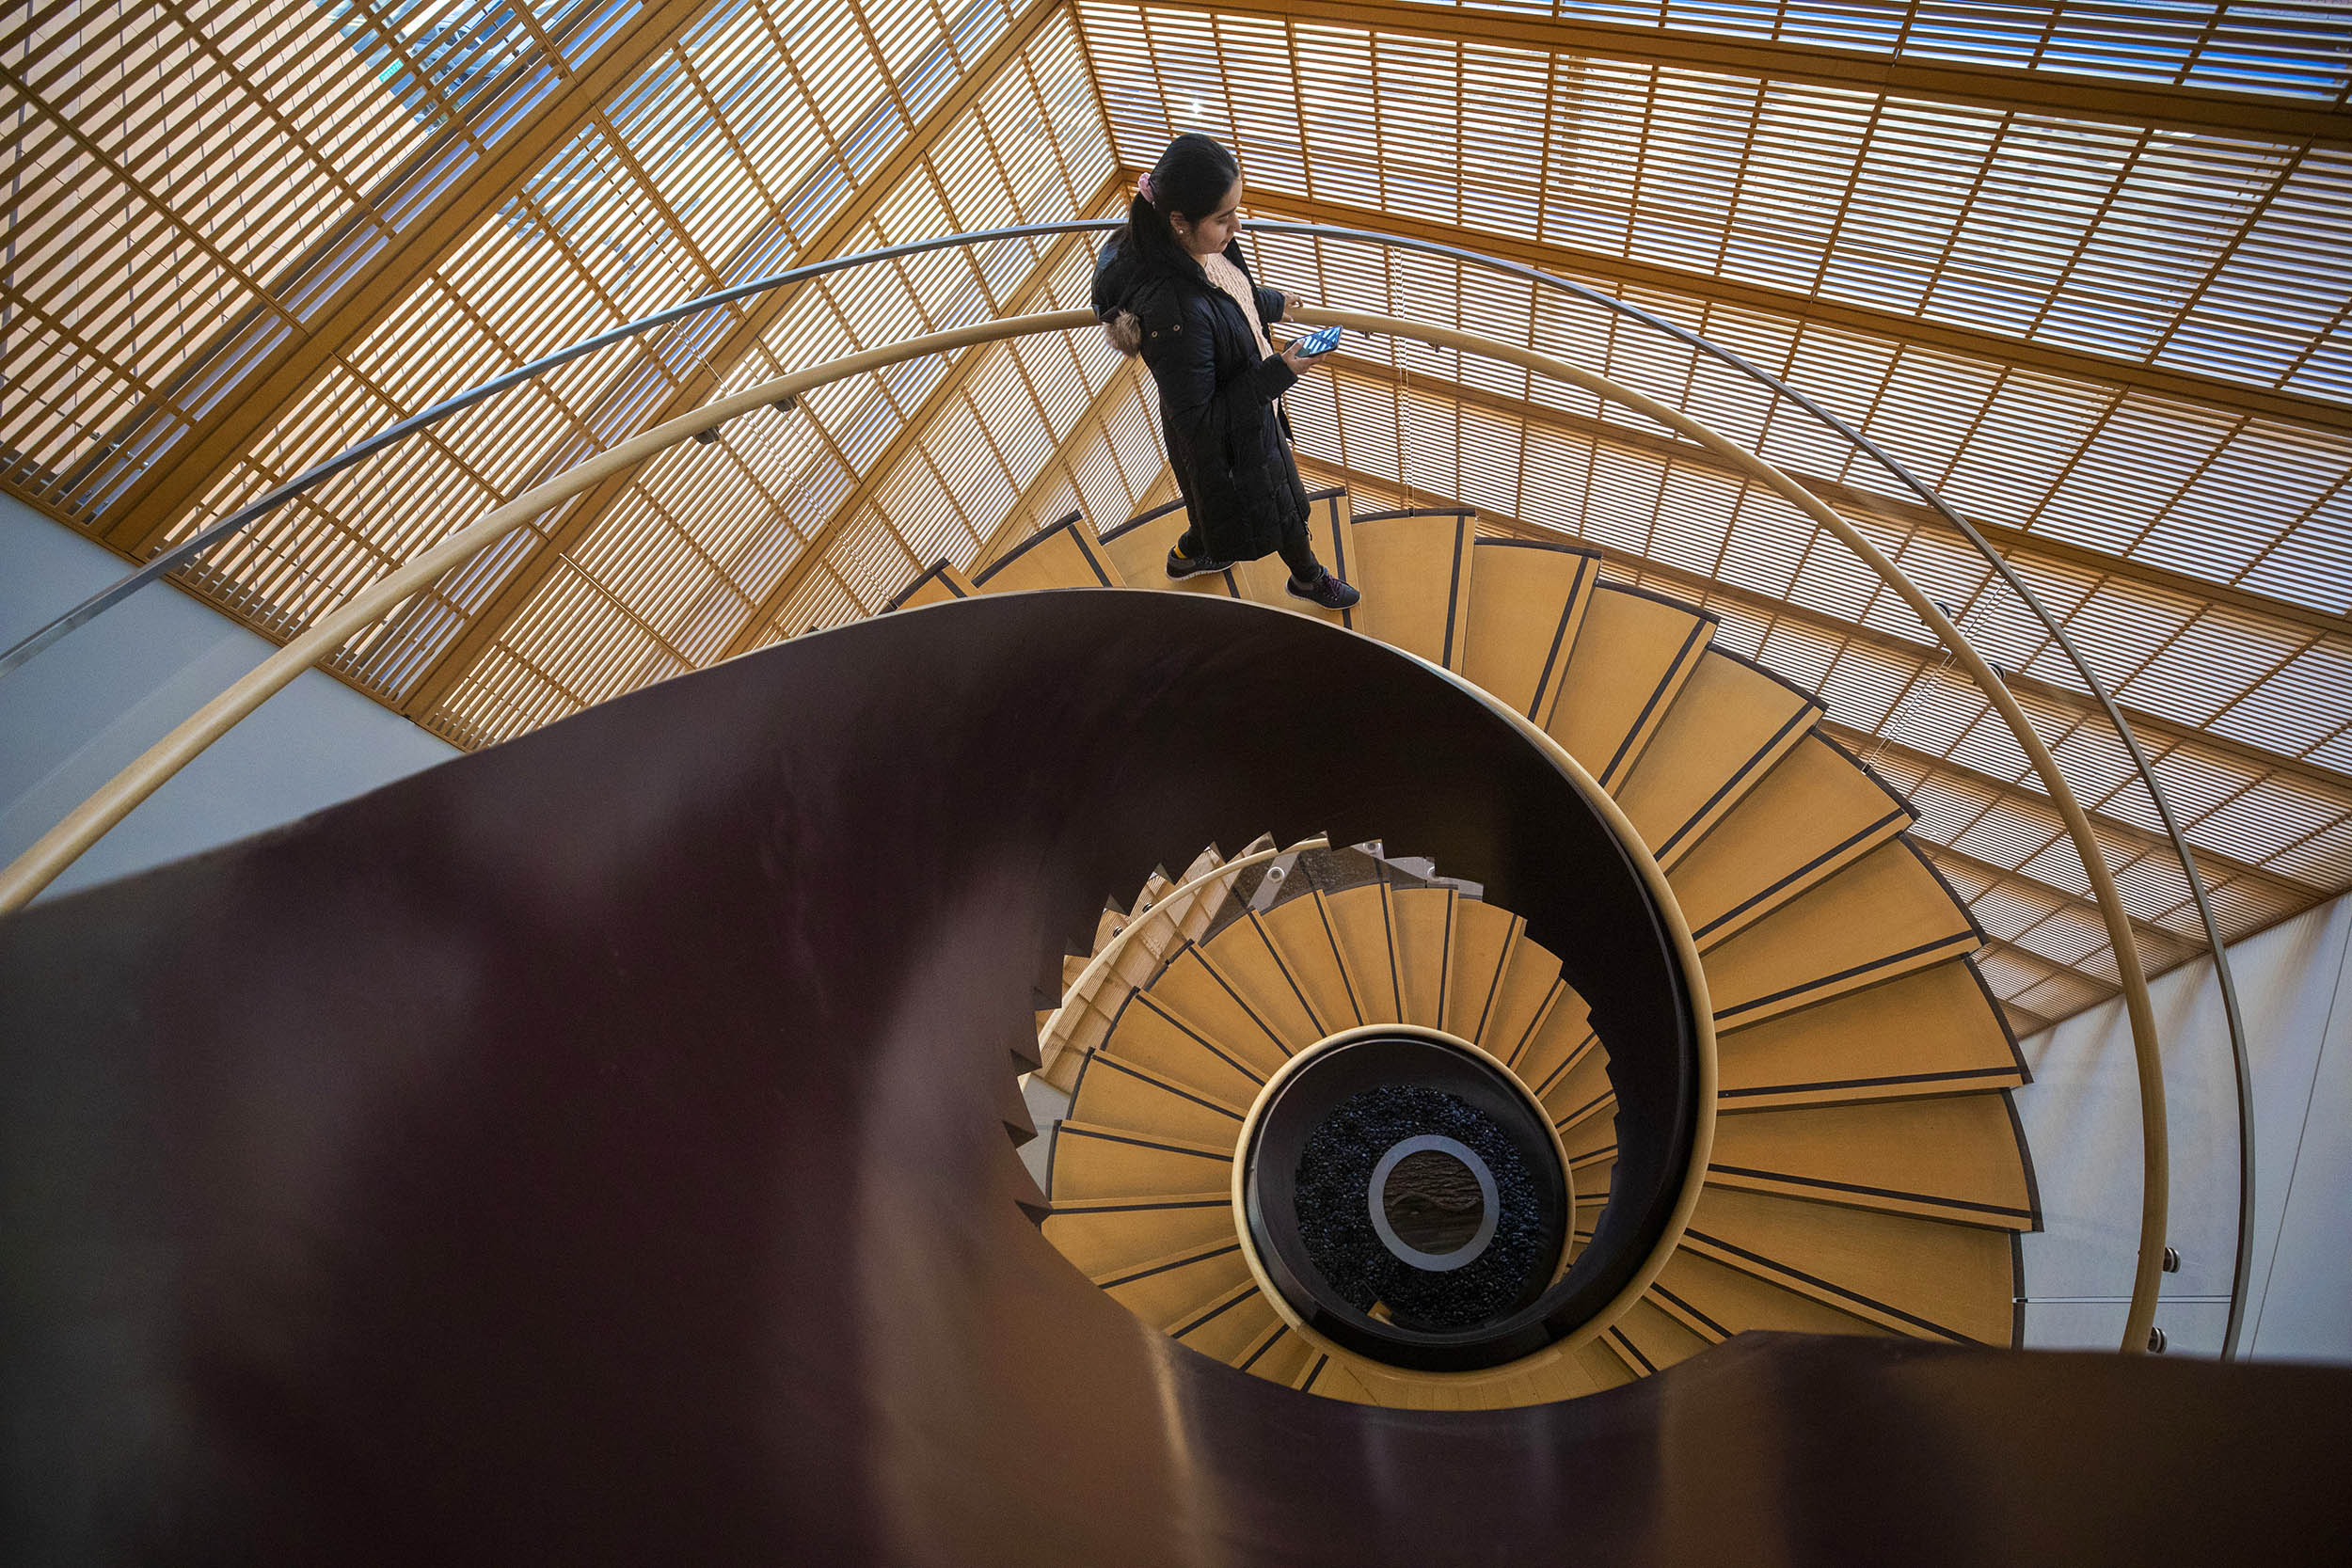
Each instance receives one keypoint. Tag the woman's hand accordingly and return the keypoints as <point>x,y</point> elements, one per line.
<point>1300,361</point>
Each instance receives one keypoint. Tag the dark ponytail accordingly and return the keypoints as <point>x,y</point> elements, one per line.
<point>1189,180</point>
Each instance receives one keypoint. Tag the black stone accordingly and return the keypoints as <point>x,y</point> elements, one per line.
<point>1334,1215</point>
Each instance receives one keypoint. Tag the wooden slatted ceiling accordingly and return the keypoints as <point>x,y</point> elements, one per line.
<point>2259,672</point>
<point>635,603</point>
<point>2292,48</point>
<point>2025,224</point>
<point>761,119</point>
<point>191,184</point>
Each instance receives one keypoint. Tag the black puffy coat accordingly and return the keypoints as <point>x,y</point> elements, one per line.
<point>1228,438</point>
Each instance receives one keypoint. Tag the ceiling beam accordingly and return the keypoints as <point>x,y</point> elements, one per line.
<point>2146,725</point>
<point>2115,833</point>
<point>907,441</point>
<point>2016,89</point>
<point>2210,391</point>
<point>757,316</point>
<point>1914,515</point>
<point>276,382</point>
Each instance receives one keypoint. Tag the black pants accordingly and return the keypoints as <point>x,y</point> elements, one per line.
<point>1297,550</point>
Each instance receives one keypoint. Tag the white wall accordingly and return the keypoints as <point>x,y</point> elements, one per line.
<point>82,711</point>
<point>2081,1114</point>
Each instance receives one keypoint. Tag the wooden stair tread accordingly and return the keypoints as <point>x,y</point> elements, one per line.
<point>1149,1037</point>
<point>1229,1326</point>
<point>1633,652</point>
<point>1064,555</point>
<point>1244,958</point>
<point>1263,581</point>
<point>1196,994</point>
<point>1919,1278</point>
<point>1300,930</point>
<point>1415,573</point>
<point>1171,1291</point>
<point>1138,549</point>
<point>1959,1158</point>
<point>1106,1238</point>
<point>1655,1340</point>
<point>1933,1031</point>
<point>1813,813</point>
<point>1361,926</point>
<point>1117,1161</point>
<point>1716,1301</point>
<point>940,583</point>
<point>1422,921</point>
<point>1527,602</point>
<point>1884,915</point>
<point>1729,724</point>
<point>1477,946</point>
<point>1112,1093</point>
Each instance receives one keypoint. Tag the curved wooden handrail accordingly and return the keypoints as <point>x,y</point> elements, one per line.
<point>48,855</point>
<point>88,822</point>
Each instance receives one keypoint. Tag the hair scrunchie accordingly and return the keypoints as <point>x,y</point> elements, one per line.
<point>1143,189</point>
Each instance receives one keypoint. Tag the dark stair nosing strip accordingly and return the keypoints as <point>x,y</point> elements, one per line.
<point>1160,1009</point>
<point>1924,1199</point>
<point>1582,1051</point>
<point>1815,1280</point>
<point>1713,1326</point>
<point>1347,983</point>
<point>1185,1261</point>
<point>1454,589</point>
<point>1806,869</point>
<point>1568,612</point>
<point>1543,1016</point>
<point>1273,1335</point>
<point>1162,1084</point>
<point>1502,966</point>
<point>1586,1109</point>
<point>1396,960</point>
<point>1034,540</point>
<point>1954,1075</point>
<point>1142,518</point>
<point>1139,1142</point>
<point>933,573</point>
<point>1856,971</point>
<point>1283,965</point>
<point>1215,1312</point>
<point>1699,627</point>
<point>1445,952</point>
<point>1755,760</point>
<point>1309,1387</point>
<point>1631,1348</point>
<point>1083,1206</point>
<point>1209,966</point>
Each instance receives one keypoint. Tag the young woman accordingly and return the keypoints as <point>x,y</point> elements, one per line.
<point>1173,287</point>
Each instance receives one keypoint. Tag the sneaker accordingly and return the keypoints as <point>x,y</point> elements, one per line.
<point>1326,590</point>
<point>1181,565</point>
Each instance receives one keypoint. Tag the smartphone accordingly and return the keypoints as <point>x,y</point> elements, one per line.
<point>1321,340</point>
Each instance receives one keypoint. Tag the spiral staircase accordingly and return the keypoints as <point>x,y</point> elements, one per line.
<point>1869,1174</point>
<point>595,1147</point>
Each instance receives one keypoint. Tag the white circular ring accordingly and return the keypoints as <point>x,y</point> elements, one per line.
<point>1436,1262</point>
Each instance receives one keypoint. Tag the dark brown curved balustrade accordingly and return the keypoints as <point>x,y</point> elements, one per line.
<point>590,1150</point>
